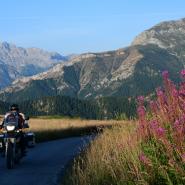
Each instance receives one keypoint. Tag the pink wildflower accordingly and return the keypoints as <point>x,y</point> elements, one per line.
<point>154,124</point>
<point>161,96</point>
<point>176,124</point>
<point>183,73</point>
<point>165,74</point>
<point>144,159</point>
<point>182,92</point>
<point>183,106</point>
<point>160,131</point>
<point>175,93</point>
<point>141,111</point>
<point>183,157</point>
<point>159,92</point>
<point>182,85</point>
<point>182,119</point>
<point>140,100</point>
<point>153,106</point>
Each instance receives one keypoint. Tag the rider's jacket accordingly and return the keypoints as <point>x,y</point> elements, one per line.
<point>21,118</point>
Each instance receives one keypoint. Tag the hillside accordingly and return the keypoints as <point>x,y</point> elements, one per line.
<point>128,72</point>
<point>4,107</point>
<point>116,73</point>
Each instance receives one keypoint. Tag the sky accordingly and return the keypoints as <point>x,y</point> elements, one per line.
<point>80,26</point>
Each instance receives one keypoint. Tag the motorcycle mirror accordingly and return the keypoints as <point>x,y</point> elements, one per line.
<point>27,118</point>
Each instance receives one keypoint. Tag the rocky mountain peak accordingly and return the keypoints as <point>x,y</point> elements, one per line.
<point>166,35</point>
<point>16,62</point>
<point>5,45</point>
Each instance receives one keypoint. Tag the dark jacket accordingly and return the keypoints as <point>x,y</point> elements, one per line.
<point>21,119</point>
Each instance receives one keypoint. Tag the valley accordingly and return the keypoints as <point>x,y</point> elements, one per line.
<point>137,140</point>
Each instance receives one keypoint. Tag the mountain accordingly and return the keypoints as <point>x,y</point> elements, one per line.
<point>16,62</point>
<point>129,71</point>
<point>167,35</point>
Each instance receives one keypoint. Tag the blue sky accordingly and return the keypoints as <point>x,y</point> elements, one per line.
<point>78,26</point>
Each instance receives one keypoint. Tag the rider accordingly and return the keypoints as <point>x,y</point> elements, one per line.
<point>14,108</point>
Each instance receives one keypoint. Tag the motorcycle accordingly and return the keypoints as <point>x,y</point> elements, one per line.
<point>11,143</point>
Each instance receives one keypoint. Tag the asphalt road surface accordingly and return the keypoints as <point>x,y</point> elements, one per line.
<point>43,164</point>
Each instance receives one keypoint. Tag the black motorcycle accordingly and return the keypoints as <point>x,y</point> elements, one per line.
<point>11,144</point>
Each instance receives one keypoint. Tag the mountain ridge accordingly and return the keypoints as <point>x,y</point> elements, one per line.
<point>127,71</point>
<point>17,62</point>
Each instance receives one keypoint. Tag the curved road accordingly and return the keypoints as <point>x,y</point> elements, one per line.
<point>43,164</point>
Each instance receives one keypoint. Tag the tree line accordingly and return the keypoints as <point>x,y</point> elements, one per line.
<point>101,108</point>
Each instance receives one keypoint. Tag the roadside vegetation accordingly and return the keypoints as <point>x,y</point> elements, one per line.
<point>47,129</point>
<point>149,151</point>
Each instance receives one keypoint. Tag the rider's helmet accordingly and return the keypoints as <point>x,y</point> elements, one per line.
<point>14,107</point>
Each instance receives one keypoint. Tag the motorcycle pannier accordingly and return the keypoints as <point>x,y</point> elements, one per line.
<point>30,138</point>
<point>1,141</point>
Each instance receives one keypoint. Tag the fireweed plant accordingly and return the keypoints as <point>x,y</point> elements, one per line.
<point>161,133</point>
<point>150,151</point>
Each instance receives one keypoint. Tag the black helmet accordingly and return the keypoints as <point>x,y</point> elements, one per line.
<point>14,107</point>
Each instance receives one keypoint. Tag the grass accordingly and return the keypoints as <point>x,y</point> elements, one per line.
<point>52,129</point>
<point>111,159</point>
<point>54,117</point>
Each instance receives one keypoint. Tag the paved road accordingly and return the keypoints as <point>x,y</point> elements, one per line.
<point>43,164</point>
